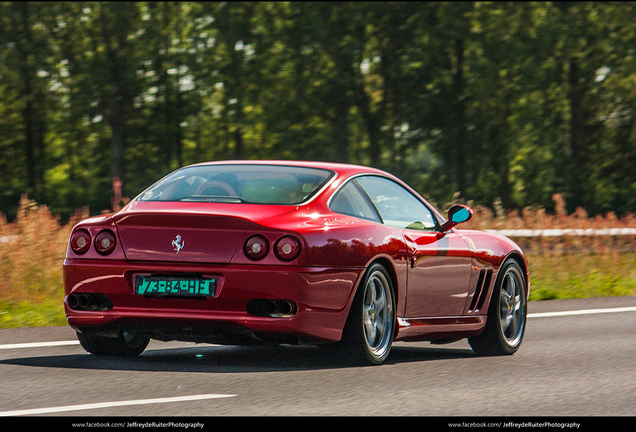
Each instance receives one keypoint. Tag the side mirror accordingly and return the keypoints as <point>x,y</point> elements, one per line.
<point>458,213</point>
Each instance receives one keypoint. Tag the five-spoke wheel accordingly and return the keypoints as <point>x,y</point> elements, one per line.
<point>368,336</point>
<point>512,307</point>
<point>506,322</point>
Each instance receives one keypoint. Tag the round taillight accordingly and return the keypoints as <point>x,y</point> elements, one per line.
<point>256,247</point>
<point>287,248</point>
<point>105,242</point>
<point>80,241</point>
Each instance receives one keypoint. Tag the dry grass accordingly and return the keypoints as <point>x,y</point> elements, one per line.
<point>569,266</point>
<point>32,249</point>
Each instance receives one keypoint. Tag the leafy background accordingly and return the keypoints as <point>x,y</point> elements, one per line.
<point>511,101</point>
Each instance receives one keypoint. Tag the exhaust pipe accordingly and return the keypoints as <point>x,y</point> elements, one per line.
<point>284,307</point>
<point>272,308</point>
<point>72,301</point>
<point>86,301</point>
<point>89,302</point>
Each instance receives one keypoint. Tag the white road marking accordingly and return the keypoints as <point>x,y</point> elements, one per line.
<point>39,344</point>
<point>531,315</point>
<point>35,411</point>
<point>68,408</point>
<point>582,312</point>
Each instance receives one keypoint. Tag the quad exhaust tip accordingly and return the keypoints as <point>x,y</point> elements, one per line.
<point>89,302</point>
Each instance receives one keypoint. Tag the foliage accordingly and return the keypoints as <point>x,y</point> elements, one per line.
<point>32,249</point>
<point>35,233</point>
<point>513,101</point>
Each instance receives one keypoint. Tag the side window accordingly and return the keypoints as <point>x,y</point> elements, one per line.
<point>351,201</point>
<point>397,206</point>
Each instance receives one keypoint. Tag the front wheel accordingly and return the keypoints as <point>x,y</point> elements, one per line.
<point>506,322</point>
<point>124,345</point>
<point>368,335</point>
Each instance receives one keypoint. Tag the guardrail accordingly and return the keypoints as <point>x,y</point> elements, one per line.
<point>8,239</point>
<point>573,240</point>
<point>565,232</point>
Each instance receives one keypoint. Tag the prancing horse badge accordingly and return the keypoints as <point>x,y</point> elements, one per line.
<point>178,244</point>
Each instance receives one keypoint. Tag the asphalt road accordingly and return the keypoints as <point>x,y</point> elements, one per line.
<point>572,364</point>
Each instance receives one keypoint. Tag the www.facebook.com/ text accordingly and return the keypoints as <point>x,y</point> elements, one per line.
<point>140,425</point>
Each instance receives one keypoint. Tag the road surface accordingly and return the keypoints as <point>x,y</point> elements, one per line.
<point>578,359</point>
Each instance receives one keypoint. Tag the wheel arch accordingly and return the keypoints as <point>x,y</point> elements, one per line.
<point>388,264</point>
<point>354,343</point>
<point>492,340</point>
<point>523,263</point>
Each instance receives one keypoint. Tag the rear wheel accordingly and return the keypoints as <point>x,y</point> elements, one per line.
<point>506,322</point>
<point>368,335</point>
<point>124,345</point>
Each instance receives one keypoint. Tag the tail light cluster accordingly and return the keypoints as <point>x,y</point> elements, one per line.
<point>286,248</point>
<point>105,242</point>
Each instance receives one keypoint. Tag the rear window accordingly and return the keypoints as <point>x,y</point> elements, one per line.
<point>254,184</point>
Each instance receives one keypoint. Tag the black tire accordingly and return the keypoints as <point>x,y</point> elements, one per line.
<point>125,345</point>
<point>368,334</point>
<point>506,321</point>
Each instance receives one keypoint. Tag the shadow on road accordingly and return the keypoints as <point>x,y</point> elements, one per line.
<point>233,359</point>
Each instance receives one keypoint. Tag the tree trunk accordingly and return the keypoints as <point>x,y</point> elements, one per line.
<point>459,126</point>
<point>31,122</point>
<point>578,164</point>
<point>340,137</point>
<point>116,117</point>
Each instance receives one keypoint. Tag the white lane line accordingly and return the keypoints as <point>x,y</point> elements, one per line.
<point>38,344</point>
<point>35,411</point>
<point>532,315</point>
<point>582,312</point>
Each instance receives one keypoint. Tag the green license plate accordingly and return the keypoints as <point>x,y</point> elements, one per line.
<point>168,286</point>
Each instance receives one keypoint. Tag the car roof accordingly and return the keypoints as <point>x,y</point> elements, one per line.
<point>340,168</point>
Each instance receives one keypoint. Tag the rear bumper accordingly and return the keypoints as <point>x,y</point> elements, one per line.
<point>322,297</point>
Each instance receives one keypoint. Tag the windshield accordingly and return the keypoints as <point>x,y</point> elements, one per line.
<point>254,184</point>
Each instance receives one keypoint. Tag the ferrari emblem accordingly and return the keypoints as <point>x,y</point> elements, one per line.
<point>178,244</point>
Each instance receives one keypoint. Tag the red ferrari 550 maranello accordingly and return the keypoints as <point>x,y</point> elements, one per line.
<point>291,252</point>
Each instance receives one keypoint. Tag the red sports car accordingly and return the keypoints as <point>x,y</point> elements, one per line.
<point>291,252</point>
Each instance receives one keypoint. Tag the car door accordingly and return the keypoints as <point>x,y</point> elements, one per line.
<point>439,263</point>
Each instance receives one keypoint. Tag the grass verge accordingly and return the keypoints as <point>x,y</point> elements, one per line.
<point>582,276</point>
<point>43,314</point>
<point>32,250</point>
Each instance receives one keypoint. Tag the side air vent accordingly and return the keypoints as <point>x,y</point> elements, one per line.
<point>481,290</point>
